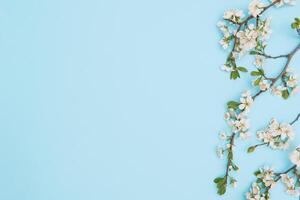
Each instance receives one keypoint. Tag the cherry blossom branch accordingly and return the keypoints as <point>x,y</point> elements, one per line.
<point>272,135</point>
<point>246,37</point>
<point>283,71</point>
<point>250,17</point>
<point>267,179</point>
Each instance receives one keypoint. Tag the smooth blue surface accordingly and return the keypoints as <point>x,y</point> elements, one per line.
<point>123,100</point>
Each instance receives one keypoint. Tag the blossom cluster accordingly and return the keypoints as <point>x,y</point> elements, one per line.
<point>244,37</point>
<point>266,180</point>
<point>236,118</point>
<point>291,187</point>
<point>288,86</point>
<point>276,135</point>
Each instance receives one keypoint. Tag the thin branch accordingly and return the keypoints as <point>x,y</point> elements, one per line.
<point>229,160</point>
<point>285,172</point>
<point>272,57</point>
<point>295,120</point>
<point>283,71</point>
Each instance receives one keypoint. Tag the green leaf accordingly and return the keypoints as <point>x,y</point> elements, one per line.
<point>242,69</point>
<point>257,172</point>
<point>253,53</point>
<point>257,81</point>
<point>219,179</point>
<point>255,73</point>
<point>221,184</point>
<point>261,71</point>
<point>234,75</point>
<point>233,104</point>
<point>222,190</point>
<point>285,94</point>
<point>251,149</point>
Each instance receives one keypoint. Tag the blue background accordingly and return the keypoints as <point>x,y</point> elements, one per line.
<point>123,100</point>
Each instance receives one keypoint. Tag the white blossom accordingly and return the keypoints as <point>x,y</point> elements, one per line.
<point>256,7</point>
<point>254,193</point>
<point>220,152</point>
<point>234,183</point>
<point>282,2</point>
<point>277,90</point>
<point>222,135</point>
<point>276,135</point>
<point>259,61</point>
<point>264,85</point>
<point>227,116</point>
<point>287,181</point>
<point>234,15</point>
<point>267,175</point>
<point>247,39</point>
<point>246,102</point>
<point>292,81</point>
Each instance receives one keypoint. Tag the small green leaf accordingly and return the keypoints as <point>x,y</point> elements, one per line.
<point>257,81</point>
<point>221,183</point>
<point>251,149</point>
<point>234,75</point>
<point>255,73</point>
<point>242,69</point>
<point>222,190</point>
<point>219,179</point>
<point>285,94</point>
<point>233,104</point>
<point>257,172</point>
<point>253,53</point>
<point>261,71</point>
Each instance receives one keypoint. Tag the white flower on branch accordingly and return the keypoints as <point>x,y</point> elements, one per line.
<point>264,85</point>
<point>254,193</point>
<point>259,61</point>
<point>234,15</point>
<point>246,102</point>
<point>276,135</point>
<point>256,7</point>
<point>222,136</point>
<point>247,39</point>
<point>277,91</point>
<point>292,81</point>
<point>220,152</point>
<point>282,2</point>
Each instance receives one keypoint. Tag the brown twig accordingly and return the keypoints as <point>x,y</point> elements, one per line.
<point>295,120</point>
